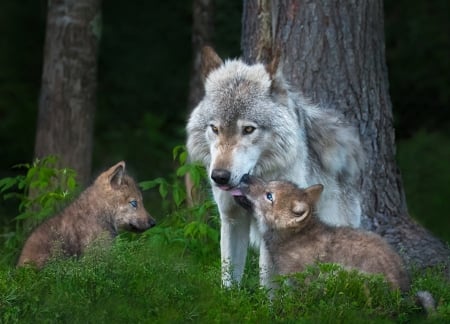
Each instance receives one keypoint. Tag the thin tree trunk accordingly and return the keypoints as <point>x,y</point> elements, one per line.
<point>333,51</point>
<point>69,84</point>
<point>202,33</point>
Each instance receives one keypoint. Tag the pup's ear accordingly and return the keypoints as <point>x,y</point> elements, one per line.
<point>115,174</point>
<point>301,211</point>
<point>314,192</point>
<point>209,61</point>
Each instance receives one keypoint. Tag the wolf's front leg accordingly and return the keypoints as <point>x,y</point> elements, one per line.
<point>265,261</point>
<point>233,246</point>
<point>265,266</point>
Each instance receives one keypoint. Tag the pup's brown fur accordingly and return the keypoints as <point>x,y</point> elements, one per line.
<point>295,237</point>
<point>111,203</point>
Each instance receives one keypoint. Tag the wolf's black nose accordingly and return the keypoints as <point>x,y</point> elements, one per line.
<point>245,178</point>
<point>220,176</point>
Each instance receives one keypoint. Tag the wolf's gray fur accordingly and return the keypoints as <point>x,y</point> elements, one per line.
<point>295,237</point>
<point>111,203</point>
<point>251,121</point>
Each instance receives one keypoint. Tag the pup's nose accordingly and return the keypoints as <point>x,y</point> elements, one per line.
<point>245,178</point>
<point>151,222</point>
<point>221,176</point>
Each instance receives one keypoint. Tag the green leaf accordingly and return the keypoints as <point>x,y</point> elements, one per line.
<point>21,165</point>
<point>71,183</point>
<point>163,189</point>
<point>30,174</point>
<point>145,185</point>
<point>178,150</point>
<point>12,195</point>
<point>181,171</point>
<point>179,194</point>
<point>7,183</point>
<point>191,229</point>
<point>183,157</point>
<point>24,215</point>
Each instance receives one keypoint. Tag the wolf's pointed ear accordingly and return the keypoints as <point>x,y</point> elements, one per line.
<point>209,61</point>
<point>301,210</point>
<point>116,174</point>
<point>278,87</point>
<point>314,192</point>
<point>272,67</point>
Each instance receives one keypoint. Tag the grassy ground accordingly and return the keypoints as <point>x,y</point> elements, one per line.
<point>142,281</point>
<point>171,273</point>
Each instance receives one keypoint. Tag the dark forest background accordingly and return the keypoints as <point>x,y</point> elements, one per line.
<point>144,68</point>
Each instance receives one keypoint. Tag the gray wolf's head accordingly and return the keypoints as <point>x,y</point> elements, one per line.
<point>279,204</point>
<point>243,123</point>
<point>124,199</point>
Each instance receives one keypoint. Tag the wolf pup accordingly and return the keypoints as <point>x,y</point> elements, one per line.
<point>295,237</point>
<point>251,121</point>
<point>111,203</point>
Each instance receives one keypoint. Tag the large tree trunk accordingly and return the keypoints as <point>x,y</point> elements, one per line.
<point>69,84</point>
<point>333,52</point>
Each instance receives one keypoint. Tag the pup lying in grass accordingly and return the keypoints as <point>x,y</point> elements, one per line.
<point>111,203</point>
<point>295,237</point>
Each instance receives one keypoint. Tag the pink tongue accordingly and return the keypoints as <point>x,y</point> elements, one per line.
<point>236,192</point>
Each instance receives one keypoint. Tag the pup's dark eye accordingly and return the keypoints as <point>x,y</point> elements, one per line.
<point>248,130</point>
<point>214,129</point>
<point>134,203</point>
<point>269,196</point>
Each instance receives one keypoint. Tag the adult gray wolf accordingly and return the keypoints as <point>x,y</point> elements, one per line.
<point>111,203</point>
<point>295,237</point>
<point>251,121</point>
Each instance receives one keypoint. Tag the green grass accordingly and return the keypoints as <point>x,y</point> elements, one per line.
<point>171,273</point>
<point>142,281</point>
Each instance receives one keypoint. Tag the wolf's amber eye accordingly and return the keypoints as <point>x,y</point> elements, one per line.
<point>134,203</point>
<point>214,129</point>
<point>269,196</point>
<point>248,130</point>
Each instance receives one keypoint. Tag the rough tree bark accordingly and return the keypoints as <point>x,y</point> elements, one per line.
<point>69,84</point>
<point>202,32</point>
<point>333,52</point>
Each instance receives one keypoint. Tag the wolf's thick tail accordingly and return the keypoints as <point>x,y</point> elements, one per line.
<point>426,300</point>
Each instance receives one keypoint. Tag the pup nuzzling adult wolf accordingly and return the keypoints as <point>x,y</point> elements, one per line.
<point>111,203</point>
<point>251,121</point>
<point>296,238</point>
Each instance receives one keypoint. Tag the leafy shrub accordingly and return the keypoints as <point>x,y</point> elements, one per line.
<point>41,191</point>
<point>196,226</point>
